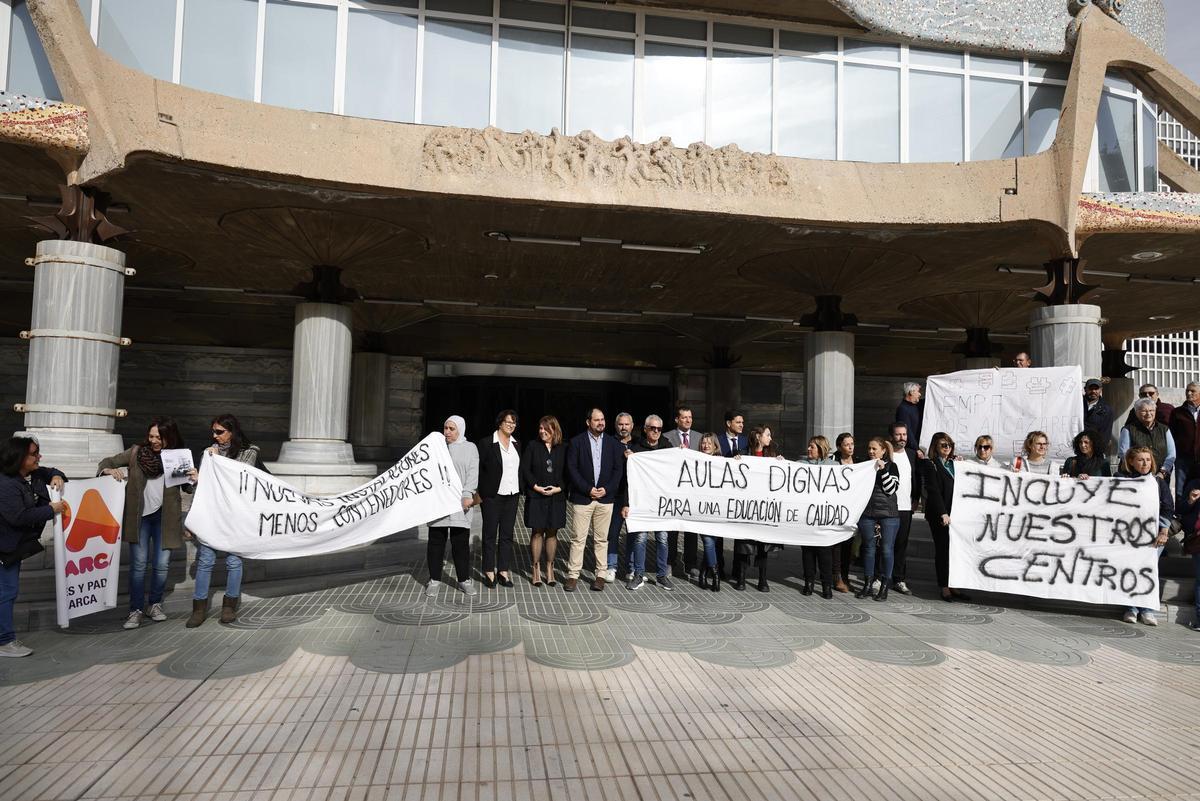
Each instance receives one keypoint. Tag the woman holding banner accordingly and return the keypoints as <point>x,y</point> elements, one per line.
<point>1087,461</point>
<point>760,445</point>
<point>882,511</point>
<point>939,498</point>
<point>456,527</point>
<point>842,553</point>
<point>228,442</point>
<point>1139,462</point>
<point>153,518</point>
<point>984,447</point>
<point>25,509</point>
<point>499,488</point>
<point>1034,456</point>
<point>710,577</point>
<point>543,468</point>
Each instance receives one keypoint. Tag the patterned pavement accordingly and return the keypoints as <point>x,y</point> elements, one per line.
<point>373,691</point>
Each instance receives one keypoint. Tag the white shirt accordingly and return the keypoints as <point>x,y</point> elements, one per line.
<point>510,478</point>
<point>904,493</point>
<point>152,496</point>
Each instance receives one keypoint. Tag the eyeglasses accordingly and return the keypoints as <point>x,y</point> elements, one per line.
<point>654,428</point>
<point>1145,394</point>
<point>216,432</point>
<point>945,445</point>
<point>985,447</point>
<point>1042,443</point>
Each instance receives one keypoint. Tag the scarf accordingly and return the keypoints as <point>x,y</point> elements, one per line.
<point>150,461</point>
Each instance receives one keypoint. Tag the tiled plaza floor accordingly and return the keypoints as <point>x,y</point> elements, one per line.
<point>370,691</point>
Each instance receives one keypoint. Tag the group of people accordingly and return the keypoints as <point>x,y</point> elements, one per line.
<point>153,521</point>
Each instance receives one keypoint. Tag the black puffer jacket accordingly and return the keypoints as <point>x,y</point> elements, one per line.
<point>25,507</point>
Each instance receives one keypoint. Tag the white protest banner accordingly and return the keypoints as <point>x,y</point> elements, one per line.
<point>1005,404</point>
<point>769,500</point>
<point>1052,537</point>
<point>87,547</point>
<point>245,511</point>
<point>177,464</point>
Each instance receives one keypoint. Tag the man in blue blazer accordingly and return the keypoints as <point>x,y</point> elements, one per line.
<point>595,464</point>
<point>733,441</point>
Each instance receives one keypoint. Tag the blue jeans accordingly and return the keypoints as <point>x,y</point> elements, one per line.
<point>614,537</point>
<point>888,527</point>
<point>148,549</point>
<point>710,550</point>
<point>1137,610</point>
<point>9,578</point>
<point>205,559</point>
<point>637,560</point>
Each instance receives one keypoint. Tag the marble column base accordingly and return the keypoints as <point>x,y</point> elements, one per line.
<point>74,451</point>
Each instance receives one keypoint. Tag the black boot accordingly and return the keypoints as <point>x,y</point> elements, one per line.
<point>865,592</point>
<point>763,586</point>
<point>739,575</point>
<point>883,591</point>
<point>715,576</point>
<point>808,587</point>
<point>826,592</point>
<point>703,581</point>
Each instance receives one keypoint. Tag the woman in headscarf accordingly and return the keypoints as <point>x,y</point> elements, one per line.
<point>153,518</point>
<point>455,527</point>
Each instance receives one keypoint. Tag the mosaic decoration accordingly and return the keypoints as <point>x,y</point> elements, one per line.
<point>38,122</point>
<point>1033,27</point>
<point>1139,212</point>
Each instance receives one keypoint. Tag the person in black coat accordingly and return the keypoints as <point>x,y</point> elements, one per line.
<point>1097,414</point>
<point>595,464</point>
<point>882,513</point>
<point>543,467</point>
<point>499,487</point>
<point>25,509</point>
<point>939,498</point>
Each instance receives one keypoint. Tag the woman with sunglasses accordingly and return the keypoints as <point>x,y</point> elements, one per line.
<point>939,498</point>
<point>542,468</point>
<point>1087,461</point>
<point>153,517</point>
<point>984,448</point>
<point>228,442</point>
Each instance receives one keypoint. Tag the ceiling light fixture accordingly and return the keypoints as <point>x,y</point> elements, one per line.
<point>1162,317</point>
<point>1165,281</point>
<point>1005,268</point>
<point>694,250</point>
<point>1104,274</point>
<point>521,239</point>
<point>389,302</point>
<point>491,277</point>
<point>656,285</point>
<point>500,236</point>
<point>1147,255</point>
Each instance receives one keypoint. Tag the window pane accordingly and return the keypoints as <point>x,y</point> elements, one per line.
<point>381,66</point>
<point>743,34</point>
<point>1004,66</point>
<point>741,107</point>
<point>140,34</point>
<point>876,50</point>
<point>533,11</point>
<point>482,8</point>
<point>935,58</point>
<point>935,117</point>
<point>807,98</point>
<point>1045,104</point>
<point>28,69</point>
<point>601,86</point>
<point>530,80</point>
<point>1059,70</point>
<point>456,85</point>
<point>995,119</point>
<point>673,98</point>
<point>1117,80</point>
<point>298,56</point>
<point>582,17</point>
<point>219,40</point>
<point>872,107</point>
<point>1149,162</point>
<point>676,26</point>
<point>1115,137</point>
<point>808,43</point>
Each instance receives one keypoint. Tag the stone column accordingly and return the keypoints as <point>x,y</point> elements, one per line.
<point>829,383</point>
<point>74,353</point>
<point>316,457</point>
<point>368,404</point>
<point>1065,335</point>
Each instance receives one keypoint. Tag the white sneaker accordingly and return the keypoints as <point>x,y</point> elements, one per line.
<point>902,588</point>
<point>157,614</point>
<point>468,587</point>
<point>15,648</point>
<point>1148,619</point>
<point>1129,617</point>
<point>431,589</point>
<point>611,575</point>
<point>133,621</point>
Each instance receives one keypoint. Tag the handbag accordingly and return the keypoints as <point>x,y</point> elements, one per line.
<point>26,549</point>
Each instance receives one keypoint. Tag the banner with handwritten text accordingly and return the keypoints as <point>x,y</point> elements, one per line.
<point>1051,537</point>
<point>245,511</point>
<point>753,498</point>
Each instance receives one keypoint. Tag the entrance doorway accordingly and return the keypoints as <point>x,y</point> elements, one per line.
<point>479,391</point>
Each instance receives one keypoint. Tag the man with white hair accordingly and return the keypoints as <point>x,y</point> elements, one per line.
<point>1162,409</point>
<point>652,440</point>
<point>1186,432</point>
<point>910,410</point>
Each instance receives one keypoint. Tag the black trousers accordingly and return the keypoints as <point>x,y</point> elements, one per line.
<point>819,559</point>
<point>691,549</point>
<point>460,548</point>
<point>900,551</point>
<point>841,553</point>
<point>941,552</point>
<point>499,519</point>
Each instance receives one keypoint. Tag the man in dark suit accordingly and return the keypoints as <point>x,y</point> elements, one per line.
<point>733,441</point>
<point>595,464</point>
<point>910,411</point>
<point>683,436</point>
<point>1097,414</point>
